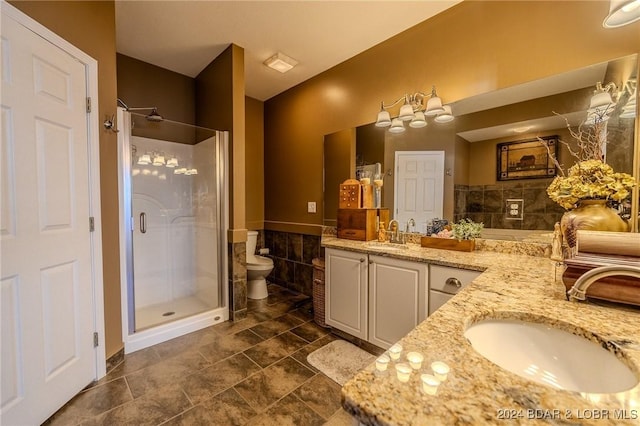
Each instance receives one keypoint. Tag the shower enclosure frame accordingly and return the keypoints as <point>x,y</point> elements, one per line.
<point>133,340</point>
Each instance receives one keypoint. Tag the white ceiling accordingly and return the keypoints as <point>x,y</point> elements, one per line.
<point>185,36</point>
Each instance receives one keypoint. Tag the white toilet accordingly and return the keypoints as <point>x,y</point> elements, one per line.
<point>258,267</point>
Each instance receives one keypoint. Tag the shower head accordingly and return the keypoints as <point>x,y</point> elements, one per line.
<point>154,116</point>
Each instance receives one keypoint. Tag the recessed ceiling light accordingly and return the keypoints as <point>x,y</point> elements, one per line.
<point>280,62</point>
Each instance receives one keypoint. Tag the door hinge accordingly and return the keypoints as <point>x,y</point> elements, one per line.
<point>95,339</point>
<point>88,105</point>
<point>92,224</point>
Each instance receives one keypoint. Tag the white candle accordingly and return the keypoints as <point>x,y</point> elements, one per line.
<point>382,362</point>
<point>395,351</point>
<point>440,370</point>
<point>429,384</point>
<point>415,360</point>
<point>403,371</point>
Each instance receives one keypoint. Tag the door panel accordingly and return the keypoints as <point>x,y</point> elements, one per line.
<point>47,300</point>
<point>419,186</point>
<point>397,298</point>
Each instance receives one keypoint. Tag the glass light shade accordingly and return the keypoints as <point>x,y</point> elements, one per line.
<point>190,172</point>
<point>384,119</point>
<point>172,162</point>
<point>145,159</point>
<point>628,112</point>
<point>600,99</point>
<point>180,171</point>
<point>397,126</point>
<point>158,160</point>
<point>434,106</point>
<point>622,12</point>
<point>418,120</point>
<point>444,117</point>
<point>406,112</point>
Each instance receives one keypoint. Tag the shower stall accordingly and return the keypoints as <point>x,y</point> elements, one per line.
<point>173,222</point>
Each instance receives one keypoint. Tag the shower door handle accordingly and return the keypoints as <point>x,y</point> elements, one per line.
<point>143,222</point>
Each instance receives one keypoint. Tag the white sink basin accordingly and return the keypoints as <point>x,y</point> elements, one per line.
<point>550,356</point>
<point>387,246</point>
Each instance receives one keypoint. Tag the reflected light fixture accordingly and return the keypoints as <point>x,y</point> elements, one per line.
<point>602,103</point>
<point>144,159</point>
<point>281,62</point>
<point>622,12</point>
<point>158,160</point>
<point>414,109</point>
<point>172,162</point>
<point>630,109</point>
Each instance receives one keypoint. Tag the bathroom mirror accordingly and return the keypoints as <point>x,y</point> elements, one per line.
<point>526,111</point>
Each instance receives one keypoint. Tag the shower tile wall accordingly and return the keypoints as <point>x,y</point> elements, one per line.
<point>487,204</point>
<point>237,260</point>
<point>292,255</point>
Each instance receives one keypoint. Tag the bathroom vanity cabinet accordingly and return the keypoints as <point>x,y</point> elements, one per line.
<point>375,298</point>
<point>445,282</point>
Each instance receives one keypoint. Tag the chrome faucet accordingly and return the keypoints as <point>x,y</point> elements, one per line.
<point>410,222</point>
<point>395,236</point>
<point>579,289</point>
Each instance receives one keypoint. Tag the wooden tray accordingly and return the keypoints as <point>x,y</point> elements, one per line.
<point>448,243</point>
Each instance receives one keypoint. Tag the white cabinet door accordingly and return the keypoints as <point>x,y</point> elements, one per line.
<point>398,298</point>
<point>346,291</point>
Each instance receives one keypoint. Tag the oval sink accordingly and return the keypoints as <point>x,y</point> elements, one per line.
<point>550,356</point>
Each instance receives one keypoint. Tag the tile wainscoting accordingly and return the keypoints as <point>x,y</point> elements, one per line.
<point>487,204</point>
<point>292,255</point>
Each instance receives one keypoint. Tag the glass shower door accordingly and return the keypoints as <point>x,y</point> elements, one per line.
<point>174,210</point>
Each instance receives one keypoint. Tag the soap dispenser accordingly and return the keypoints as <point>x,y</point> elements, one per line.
<point>382,233</point>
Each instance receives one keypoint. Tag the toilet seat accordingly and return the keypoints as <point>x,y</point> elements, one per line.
<point>259,262</point>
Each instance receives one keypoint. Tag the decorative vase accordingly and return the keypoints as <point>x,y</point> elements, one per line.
<point>594,215</point>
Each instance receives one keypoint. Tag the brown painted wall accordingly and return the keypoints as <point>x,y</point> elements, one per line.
<point>90,26</point>
<point>340,145</point>
<point>254,161</point>
<point>489,45</point>
<point>220,105</point>
<point>141,84</point>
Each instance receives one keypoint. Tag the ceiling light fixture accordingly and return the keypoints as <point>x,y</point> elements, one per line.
<point>602,103</point>
<point>414,110</point>
<point>622,12</point>
<point>280,62</point>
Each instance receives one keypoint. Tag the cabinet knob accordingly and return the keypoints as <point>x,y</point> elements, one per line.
<point>454,282</point>
<point>362,260</point>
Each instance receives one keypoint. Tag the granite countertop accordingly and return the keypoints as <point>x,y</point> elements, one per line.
<point>476,391</point>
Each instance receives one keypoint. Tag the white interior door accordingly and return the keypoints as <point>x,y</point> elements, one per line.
<point>419,186</point>
<point>48,324</point>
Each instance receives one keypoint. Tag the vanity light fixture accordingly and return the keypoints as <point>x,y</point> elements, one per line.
<point>622,12</point>
<point>414,109</point>
<point>281,62</point>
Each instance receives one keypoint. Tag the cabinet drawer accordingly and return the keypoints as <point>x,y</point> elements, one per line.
<point>437,299</point>
<point>439,275</point>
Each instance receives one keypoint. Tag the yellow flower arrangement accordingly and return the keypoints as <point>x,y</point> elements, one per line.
<point>590,179</point>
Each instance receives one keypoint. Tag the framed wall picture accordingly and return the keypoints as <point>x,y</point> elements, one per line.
<point>527,159</point>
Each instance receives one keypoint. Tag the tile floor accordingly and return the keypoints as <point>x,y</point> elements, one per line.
<point>254,372</point>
